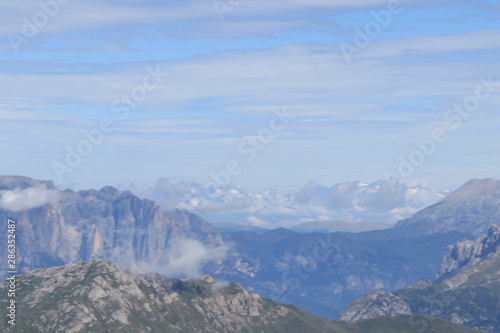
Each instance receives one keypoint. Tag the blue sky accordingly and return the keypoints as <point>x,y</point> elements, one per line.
<point>352,120</point>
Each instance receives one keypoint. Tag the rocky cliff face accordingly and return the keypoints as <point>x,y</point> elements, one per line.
<point>56,227</point>
<point>97,296</point>
<point>469,252</point>
<point>318,272</point>
<point>466,290</point>
<point>376,303</point>
<point>472,209</point>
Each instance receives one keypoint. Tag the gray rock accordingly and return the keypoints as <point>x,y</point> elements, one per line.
<point>376,303</point>
<point>468,252</point>
<point>466,291</point>
<point>98,296</point>
<point>105,224</point>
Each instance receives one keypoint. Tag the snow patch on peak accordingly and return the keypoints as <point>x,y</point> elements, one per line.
<point>357,201</point>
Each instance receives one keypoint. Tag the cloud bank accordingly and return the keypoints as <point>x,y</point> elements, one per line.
<point>25,199</point>
<point>380,201</point>
<point>185,258</point>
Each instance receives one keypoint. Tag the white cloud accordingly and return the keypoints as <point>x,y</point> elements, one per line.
<point>95,15</point>
<point>401,77</point>
<point>186,258</point>
<point>308,71</point>
<point>25,199</point>
<point>256,222</point>
<point>379,201</point>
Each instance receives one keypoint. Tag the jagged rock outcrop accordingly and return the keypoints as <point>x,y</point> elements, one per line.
<point>469,252</point>
<point>376,303</point>
<point>98,296</point>
<point>466,292</point>
<point>471,209</point>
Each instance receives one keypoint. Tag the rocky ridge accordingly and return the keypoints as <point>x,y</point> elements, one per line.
<point>466,291</point>
<point>98,296</point>
<point>468,252</point>
<point>376,303</point>
<point>471,209</point>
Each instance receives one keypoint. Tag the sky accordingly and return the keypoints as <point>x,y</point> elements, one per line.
<point>263,94</point>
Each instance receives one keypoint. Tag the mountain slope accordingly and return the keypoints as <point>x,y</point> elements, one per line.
<point>97,296</point>
<point>294,268</point>
<point>322,273</point>
<point>466,291</point>
<point>55,227</point>
<point>472,208</point>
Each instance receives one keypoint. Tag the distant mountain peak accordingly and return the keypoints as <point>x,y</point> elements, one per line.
<point>471,209</point>
<point>21,182</point>
<point>61,227</point>
<point>476,188</point>
<point>109,190</point>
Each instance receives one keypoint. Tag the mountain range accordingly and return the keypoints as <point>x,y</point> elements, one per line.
<point>377,202</point>
<point>466,289</point>
<point>98,296</point>
<point>319,272</point>
<point>310,227</point>
<point>472,208</point>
